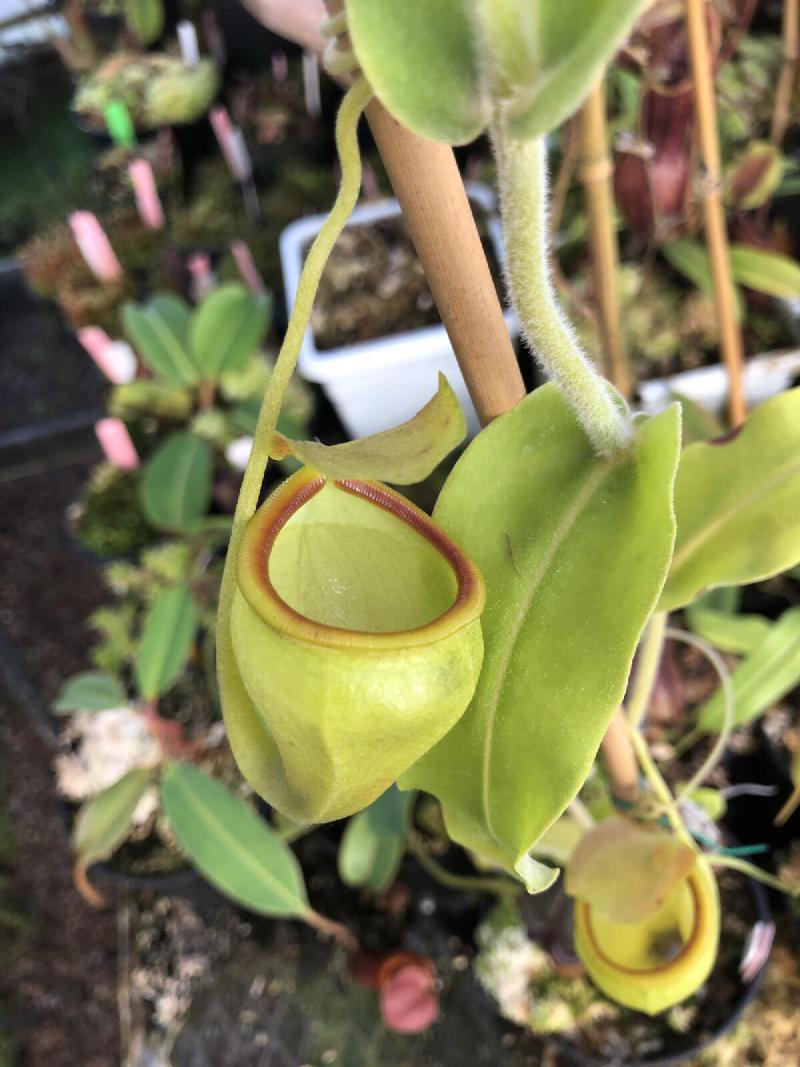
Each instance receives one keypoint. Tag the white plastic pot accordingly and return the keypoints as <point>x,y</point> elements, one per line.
<point>377,384</point>
<point>764,376</point>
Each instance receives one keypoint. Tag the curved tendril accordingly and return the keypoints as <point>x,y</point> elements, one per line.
<point>718,749</point>
<point>350,110</point>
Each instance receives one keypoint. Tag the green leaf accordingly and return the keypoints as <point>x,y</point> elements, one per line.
<point>574,550</point>
<point>738,634</point>
<point>167,637</point>
<point>763,678</point>
<point>627,871</point>
<point>754,176</point>
<point>103,822</point>
<point>231,845</point>
<point>570,43</point>
<point>90,691</point>
<point>395,42</point>
<point>537,60</point>
<point>176,483</point>
<point>697,423</point>
<point>159,333</point>
<point>403,455</point>
<point>737,502</point>
<point>690,259</point>
<point>373,843</point>
<point>145,18</point>
<point>227,329</point>
<point>765,272</point>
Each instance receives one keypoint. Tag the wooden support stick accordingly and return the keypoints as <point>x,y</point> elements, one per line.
<point>620,760</point>
<point>791,59</point>
<point>596,173</point>
<point>428,186</point>
<point>714,213</point>
<point>426,181</point>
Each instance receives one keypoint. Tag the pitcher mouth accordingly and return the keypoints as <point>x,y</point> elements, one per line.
<point>259,591</point>
<point>699,922</point>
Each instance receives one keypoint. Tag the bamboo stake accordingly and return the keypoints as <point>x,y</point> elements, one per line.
<point>714,215</point>
<point>596,172</point>
<point>791,57</point>
<point>619,758</point>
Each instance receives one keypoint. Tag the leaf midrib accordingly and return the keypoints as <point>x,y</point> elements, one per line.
<point>175,619</point>
<point>280,890</point>
<point>591,484</point>
<point>180,359</point>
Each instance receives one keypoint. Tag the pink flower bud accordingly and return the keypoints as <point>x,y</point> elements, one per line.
<point>144,188</point>
<point>116,444</point>
<point>95,246</point>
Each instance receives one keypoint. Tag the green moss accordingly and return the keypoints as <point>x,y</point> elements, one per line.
<point>110,521</point>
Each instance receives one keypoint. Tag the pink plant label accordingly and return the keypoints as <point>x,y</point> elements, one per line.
<point>115,359</point>
<point>203,280</point>
<point>247,268</point>
<point>148,203</point>
<point>116,443</point>
<point>232,144</point>
<point>95,246</point>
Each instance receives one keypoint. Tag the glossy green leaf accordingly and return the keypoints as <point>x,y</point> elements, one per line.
<point>690,259</point>
<point>403,455</point>
<point>737,502</point>
<point>227,328</point>
<point>145,18</point>
<point>103,822</point>
<point>90,691</point>
<point>167,637</point>
<point>159,332</point>
<point>627,871</point>
<point>230,844</point>
<point>738,634</point>
<point>176,483</point>
<point>396,43</point>
<point>374,842</point>
<point>763,678</point>
<point>765,272</point>
<point>573,550</point>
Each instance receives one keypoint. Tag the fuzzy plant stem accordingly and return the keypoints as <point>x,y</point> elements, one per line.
<point>522,179</point>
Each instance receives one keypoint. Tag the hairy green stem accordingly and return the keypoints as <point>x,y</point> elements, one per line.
<point>647,664</point>
<point>522,179</point>
<point>352,106</point>
<point>502,887</point>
